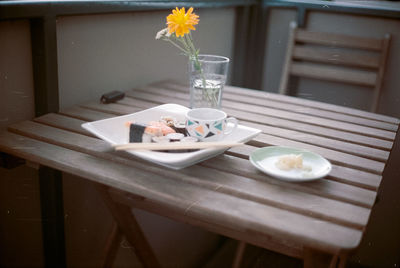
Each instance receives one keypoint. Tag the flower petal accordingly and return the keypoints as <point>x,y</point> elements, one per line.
<point>180,22</point>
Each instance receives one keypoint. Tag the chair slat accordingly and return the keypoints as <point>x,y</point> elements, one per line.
<point>338,40</point>
<point>381,71</point>
<point>318,71</point>
<point>346,58</point>
<point>283,89</point>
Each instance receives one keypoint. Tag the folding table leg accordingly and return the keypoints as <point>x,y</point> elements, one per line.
<point>111,247</point>
<point>52,209</point>
<point>129,226</point>
<point>239,254</point>
<point>316,259</point>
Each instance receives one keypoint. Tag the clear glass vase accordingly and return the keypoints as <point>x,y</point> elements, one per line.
<point>207,80</point>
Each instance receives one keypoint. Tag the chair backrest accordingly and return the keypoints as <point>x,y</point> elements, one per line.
<point>336,57</point>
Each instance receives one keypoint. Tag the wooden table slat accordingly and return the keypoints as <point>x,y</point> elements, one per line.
<point>303,129</point>
<point>347,175</point>
<point>89,145</point>
<point>227,194</point>
<point>277,114</point>
<point>357,138</point>
<point>85,114</point>
<point>244,116</point>
<point>343,159</point>
<point>63,122</point>
<point>287,99</point>
<point>323,106</point>
<point>264,106</point>
<point>112,108</point>
<point>346,147</point>
<point>313,111</point>
<point>324,187</point>
<point>330,143</point>
<point>315,120</point>
<point>248,216</point>
<point>330,134</point>
<point>336,157</point>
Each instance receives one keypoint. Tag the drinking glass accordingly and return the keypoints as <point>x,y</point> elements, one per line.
<point>207,80</point>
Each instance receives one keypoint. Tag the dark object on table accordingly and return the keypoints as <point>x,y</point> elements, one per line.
<point>112,97</point>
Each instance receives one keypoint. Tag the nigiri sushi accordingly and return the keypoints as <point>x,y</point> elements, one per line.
<point>145,132</point>
<point>165,129</point>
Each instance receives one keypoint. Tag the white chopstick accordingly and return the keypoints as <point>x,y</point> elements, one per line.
<point>174,145</point>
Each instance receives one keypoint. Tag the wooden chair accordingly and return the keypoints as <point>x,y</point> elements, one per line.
<point>336,57</point>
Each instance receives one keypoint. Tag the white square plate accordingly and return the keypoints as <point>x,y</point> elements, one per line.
<point>114,131</point>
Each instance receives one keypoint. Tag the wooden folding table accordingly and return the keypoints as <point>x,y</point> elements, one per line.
<point>319,221</point>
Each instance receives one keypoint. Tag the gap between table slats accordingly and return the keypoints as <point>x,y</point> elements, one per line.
<point>233,100</point>
<point>362,164</point>
<point>221,209</point>
<point>286,99</point>
<point>350,147</point>
<point>272,114</point>
<point>346,147</point>
<point>278,195</point>
<point>345,175</point>
<point>341,146</point>
<point>286,247</point>
<point>337,157</point>
<point>143,100</point>
<point>226,210</point>
<point>319,187</point>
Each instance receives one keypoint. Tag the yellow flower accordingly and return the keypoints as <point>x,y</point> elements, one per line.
<point>180,22</point>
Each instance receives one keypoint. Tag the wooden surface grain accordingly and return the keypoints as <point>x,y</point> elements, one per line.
<point>226,194</point>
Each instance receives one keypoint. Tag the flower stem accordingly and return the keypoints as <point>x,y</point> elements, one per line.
<point>185,44</point>
<point>176,45</point>
<point>187,48</point>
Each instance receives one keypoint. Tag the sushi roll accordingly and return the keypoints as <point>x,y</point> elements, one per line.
<point>174,137</point>
<point>161,139</point>
<point>168,120</point>
<point>143,133</point>
<point>189,139</point>
<point>180,127</point>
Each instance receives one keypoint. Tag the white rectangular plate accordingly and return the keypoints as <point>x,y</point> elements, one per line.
<point>114,131</point>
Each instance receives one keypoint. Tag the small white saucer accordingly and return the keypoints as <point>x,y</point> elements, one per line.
<point>265,159</point>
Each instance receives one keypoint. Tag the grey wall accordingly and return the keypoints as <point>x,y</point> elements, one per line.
<point>20,225</point>
<point>100,53</point>
<point>351,96</point>
<point>16,78</point>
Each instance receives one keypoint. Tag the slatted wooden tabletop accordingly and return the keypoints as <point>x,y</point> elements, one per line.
<point>226,194</point>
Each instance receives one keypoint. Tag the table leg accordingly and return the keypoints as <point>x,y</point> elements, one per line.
<point>111,247</point>
<point>131,229</point>
<point>52,209</point>
<point>316,259</point>
<point>239,254</point>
